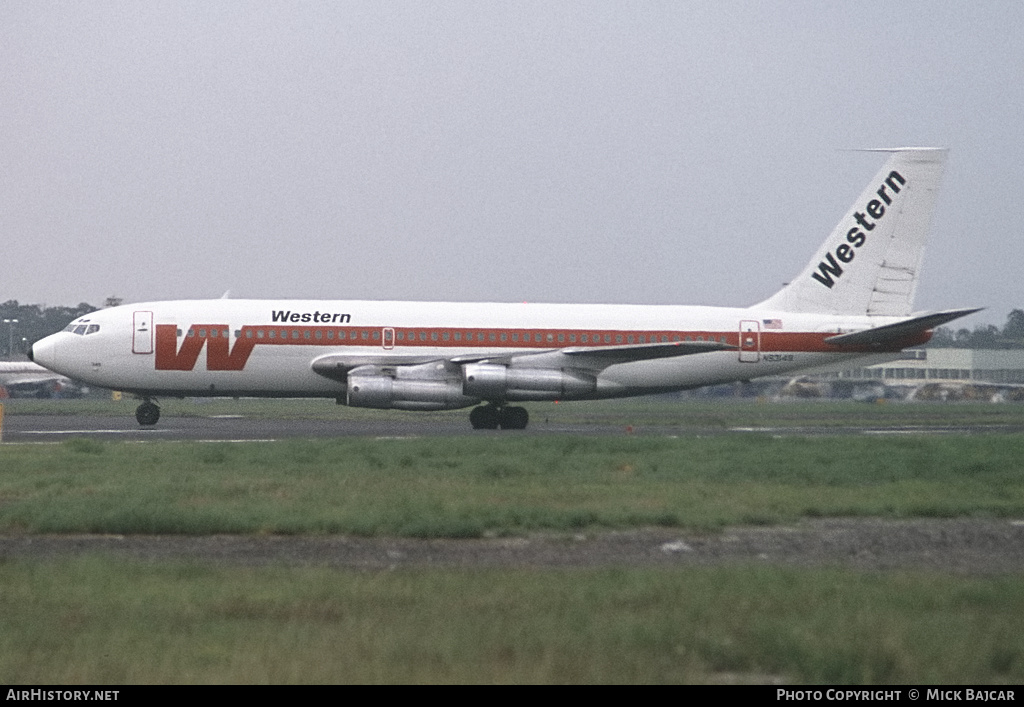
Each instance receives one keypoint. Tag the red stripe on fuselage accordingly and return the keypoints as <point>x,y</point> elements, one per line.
<point>223,355</point>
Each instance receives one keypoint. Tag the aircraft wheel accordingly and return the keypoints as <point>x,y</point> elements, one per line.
<point>514,418</point>
<point>148,414</point>
<point>484,417</point>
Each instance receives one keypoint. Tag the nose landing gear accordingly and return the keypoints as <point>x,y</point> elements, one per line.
<point>148,414</point>
<point>491,417</point>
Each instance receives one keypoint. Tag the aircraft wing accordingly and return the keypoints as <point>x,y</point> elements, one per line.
<point>889,333</point>
<point>598,357</point>
<point>642,352</point>
<point>337,366</point>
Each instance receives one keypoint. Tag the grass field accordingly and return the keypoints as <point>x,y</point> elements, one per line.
<point>471,486</point>
<point>100,620</point>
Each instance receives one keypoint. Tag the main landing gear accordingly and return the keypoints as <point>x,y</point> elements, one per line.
<point>148,414</point>
<point>491,417</point>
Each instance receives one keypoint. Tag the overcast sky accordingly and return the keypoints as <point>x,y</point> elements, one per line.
<point>635,152</point>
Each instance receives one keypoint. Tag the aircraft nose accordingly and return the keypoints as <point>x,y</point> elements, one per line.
<point>44,352</point>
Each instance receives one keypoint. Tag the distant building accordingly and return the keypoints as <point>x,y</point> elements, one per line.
<point>989,366</point>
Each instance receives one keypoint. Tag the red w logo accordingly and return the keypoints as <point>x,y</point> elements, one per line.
<point>220,355</point>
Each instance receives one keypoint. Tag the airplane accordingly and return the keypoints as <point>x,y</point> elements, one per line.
<point>853,300</point>
<point>27,379</point>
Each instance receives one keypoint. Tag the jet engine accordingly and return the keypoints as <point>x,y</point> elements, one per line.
<point>489,381</point>
<point>405,388</point>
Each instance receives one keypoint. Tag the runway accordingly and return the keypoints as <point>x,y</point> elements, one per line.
<point>46,428</point>
<point>34,428</point>
<point>237,428</point>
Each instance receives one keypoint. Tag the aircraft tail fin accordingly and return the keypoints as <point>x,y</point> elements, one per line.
<point>871,261</point>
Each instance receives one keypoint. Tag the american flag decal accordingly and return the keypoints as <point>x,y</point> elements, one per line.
<point>772,323</point>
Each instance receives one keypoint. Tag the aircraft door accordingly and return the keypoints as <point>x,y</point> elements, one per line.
<point>142,333</point>
<point>388,338</point>
<point>750,341</point>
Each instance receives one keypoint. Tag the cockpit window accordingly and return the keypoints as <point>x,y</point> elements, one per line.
<point>82,329</point>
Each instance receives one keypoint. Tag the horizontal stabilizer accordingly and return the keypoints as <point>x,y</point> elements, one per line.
<point>887,334</point>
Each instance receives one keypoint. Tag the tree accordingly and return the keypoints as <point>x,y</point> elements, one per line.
<point>34,322</point>
<point>984,336</point>
<point>1014,328</point>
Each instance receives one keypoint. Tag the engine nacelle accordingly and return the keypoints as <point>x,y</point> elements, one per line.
<point>490,381</point>
<point>381,391</point>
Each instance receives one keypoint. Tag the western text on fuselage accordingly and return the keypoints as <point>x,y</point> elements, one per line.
<point>282,315</point>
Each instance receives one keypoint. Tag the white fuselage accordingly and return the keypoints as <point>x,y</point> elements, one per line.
<point>270,347</point>
<point>853,299</point>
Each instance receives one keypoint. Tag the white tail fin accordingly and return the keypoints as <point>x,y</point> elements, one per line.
<point>871,261</point>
